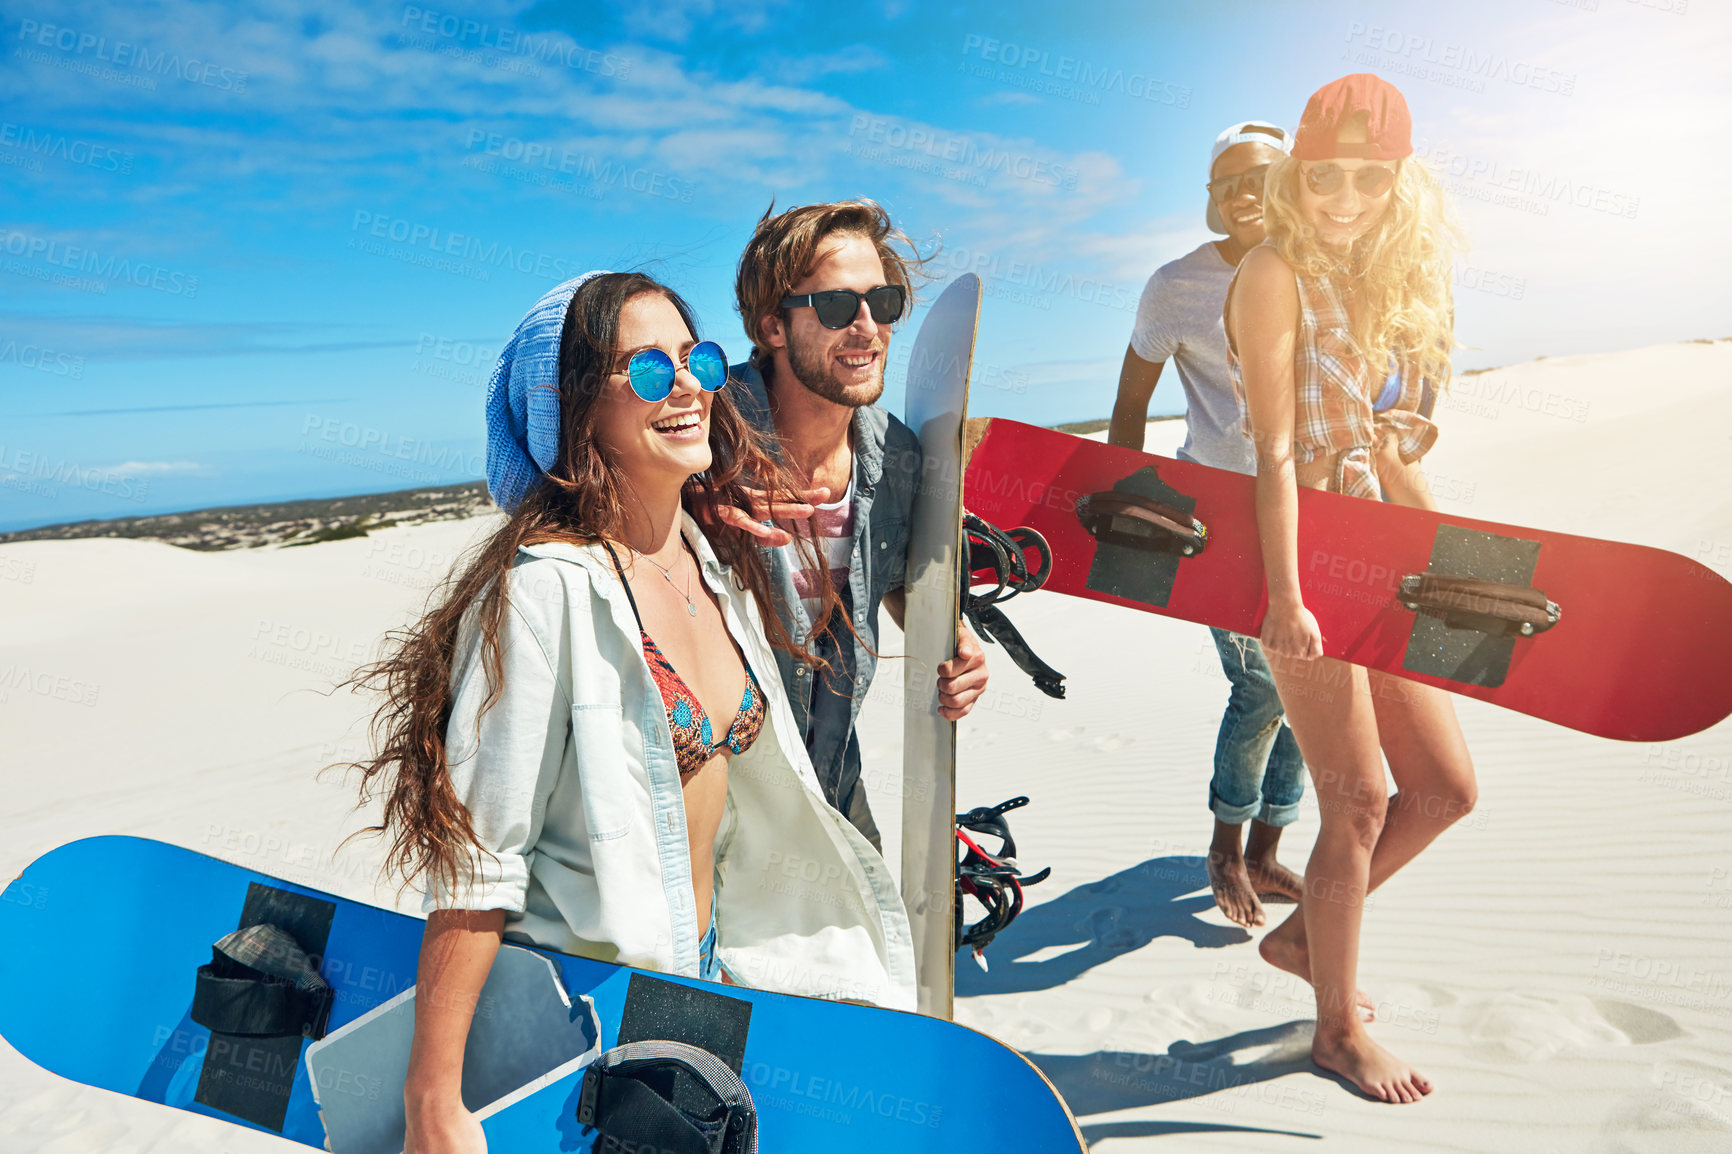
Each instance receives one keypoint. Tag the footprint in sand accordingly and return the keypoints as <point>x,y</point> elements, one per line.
<point>1070,734</point>
<point>1641,1025</point>
<point>1528,1028</point>
<point>1112,744</point>
<point>1106,930</point>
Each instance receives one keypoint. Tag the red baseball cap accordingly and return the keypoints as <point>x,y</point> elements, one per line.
<point>1387,123</point>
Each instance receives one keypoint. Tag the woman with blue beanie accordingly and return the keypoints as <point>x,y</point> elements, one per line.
<point>585,744</point>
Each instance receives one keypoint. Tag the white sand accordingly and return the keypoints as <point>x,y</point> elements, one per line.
<point>1560,964</point>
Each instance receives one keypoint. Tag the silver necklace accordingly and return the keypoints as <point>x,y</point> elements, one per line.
<point>691,606</point>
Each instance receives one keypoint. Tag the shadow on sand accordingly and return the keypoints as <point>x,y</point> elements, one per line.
<point>1099,921</point>
<point>1110,1080</point>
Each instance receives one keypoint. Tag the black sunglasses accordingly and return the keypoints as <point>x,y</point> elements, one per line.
<point>1372,180</point>
<point>1251,180</point>
<point>837,308</point>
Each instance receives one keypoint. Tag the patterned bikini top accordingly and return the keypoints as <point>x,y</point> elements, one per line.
<point>693,737</point>
<point>694,740</point>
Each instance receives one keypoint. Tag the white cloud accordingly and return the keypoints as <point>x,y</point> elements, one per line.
<point>151,468</point>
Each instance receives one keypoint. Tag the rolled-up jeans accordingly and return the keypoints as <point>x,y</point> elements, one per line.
<point>1259,772</point>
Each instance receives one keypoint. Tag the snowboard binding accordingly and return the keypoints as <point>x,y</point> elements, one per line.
<point>1494,607</point>
<point>992,879</point>
<point>1014,561</point>
<point>1116,517</point>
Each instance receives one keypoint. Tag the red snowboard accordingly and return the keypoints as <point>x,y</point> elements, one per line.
<point>1618,640</point>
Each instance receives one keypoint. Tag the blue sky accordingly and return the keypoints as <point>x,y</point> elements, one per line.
<point>267,251</point>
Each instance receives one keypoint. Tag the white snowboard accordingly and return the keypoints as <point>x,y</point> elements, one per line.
<point>526,1034</point>
<point>937,405</point>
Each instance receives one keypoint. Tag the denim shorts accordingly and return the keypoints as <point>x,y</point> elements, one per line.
<point>709,968</point>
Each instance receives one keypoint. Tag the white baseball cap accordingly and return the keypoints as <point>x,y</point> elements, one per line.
<point>1245,132</point>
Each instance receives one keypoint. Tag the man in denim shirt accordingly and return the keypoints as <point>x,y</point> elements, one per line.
<point>812,383</point>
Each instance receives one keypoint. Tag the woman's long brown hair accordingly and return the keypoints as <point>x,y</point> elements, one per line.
<point>581,500</point>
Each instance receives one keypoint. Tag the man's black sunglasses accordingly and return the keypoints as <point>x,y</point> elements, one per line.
<point>837,308</point>
<point>1251,180</point>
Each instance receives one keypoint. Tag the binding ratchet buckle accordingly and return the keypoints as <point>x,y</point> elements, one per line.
<point>1119,518</point>
<point>1473,603</point>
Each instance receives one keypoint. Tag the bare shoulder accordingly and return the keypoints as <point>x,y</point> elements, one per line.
<point>1265,270</point>
<point>1265,293</point>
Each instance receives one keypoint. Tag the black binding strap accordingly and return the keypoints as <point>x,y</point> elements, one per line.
<point>1006,555</point>
<point>618,1099</point>
<point>992,879</point>
<point>992,625</point>
<point>261,997</point>
<point>233,1000</point>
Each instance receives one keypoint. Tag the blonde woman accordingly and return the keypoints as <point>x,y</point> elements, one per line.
<point>1339,333</point>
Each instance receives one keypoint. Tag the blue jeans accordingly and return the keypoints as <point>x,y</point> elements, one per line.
<point>1258,769</point>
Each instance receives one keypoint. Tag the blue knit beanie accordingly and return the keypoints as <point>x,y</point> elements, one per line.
<point>523,400</point>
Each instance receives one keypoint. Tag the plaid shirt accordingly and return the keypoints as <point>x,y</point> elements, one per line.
<point>1335,395</point>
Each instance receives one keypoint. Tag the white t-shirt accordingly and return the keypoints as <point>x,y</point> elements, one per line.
<point>1179,319</point>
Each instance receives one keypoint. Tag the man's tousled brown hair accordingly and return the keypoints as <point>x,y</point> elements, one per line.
<point>787,246</point>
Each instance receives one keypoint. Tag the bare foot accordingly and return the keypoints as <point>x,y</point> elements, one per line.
<point>1270,877</point>
<point>1291,953</point>
<point>1234,894</point>
<point>1373,1069</point>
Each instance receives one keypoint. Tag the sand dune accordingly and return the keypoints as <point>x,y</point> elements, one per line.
<point>1560,963</point>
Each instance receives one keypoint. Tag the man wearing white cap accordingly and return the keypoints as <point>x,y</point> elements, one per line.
<point>1259,775</point>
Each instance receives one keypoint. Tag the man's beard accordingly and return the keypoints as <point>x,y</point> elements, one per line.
<point>812,368</point>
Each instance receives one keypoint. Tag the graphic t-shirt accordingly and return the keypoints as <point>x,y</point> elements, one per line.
<point>831,530</point>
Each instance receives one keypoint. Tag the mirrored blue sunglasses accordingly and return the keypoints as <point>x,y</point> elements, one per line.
<point>652,371</point>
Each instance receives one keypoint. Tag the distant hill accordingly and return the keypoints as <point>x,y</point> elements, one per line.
<point>285,523</point>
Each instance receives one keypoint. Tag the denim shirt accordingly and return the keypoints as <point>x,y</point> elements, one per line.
<point>887,463</point>
<point>572,785</point>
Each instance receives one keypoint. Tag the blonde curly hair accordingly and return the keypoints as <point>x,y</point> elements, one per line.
<point>1402,269</point>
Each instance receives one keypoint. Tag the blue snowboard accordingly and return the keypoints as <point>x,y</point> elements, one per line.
<point>100,941</point>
